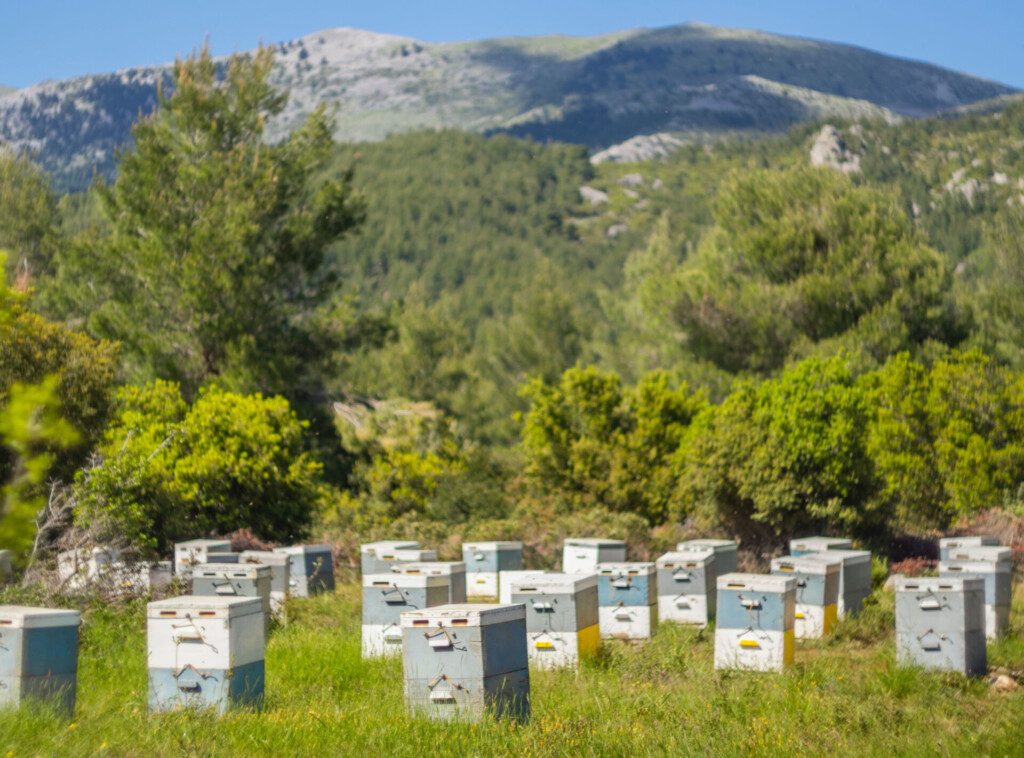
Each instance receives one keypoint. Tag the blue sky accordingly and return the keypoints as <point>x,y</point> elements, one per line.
<point>52,39</point>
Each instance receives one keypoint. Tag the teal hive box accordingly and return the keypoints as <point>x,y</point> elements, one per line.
<point>38,656</point>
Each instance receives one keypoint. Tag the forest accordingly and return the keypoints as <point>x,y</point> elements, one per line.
<point>445,335</point>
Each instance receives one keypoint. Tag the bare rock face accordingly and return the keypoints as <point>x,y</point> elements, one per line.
<point>593,195</point>
<point>829,150</point>
<point>643,147</point>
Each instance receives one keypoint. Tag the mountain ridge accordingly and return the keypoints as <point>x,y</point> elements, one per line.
<point>598,91</point>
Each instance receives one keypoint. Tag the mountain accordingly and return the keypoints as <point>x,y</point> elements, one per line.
<point>597,91</point>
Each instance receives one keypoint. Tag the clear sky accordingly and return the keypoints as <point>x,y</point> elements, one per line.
<point>53,39</point>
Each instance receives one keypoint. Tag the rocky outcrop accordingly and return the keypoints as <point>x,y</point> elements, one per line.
<point>829,150</point>
<point>643,147</point>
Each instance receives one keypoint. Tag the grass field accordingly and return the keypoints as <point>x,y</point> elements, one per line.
<point>844,695</point>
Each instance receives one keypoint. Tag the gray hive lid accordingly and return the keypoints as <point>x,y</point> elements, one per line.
<point>939,584</point>
<point>714,544</point>
<point>850,556</point>
<point>26,617</point>
<point>303,549</point>
<point>464,615</point>
<point>208,544</point>
<point>813,563</point>
<point>676,557</point>
<point>268,557</point>
<point>820,543</point>
<point>593,542</point>
<point>769,583</point>
<point>232,570</point>
<point>204,606</point>
<point>552,583</point>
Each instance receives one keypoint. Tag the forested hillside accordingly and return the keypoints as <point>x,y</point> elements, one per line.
<point>445,333</point>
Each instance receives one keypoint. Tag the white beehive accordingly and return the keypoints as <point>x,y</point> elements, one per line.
<point>506,578</point>
<point>627,596</point>
<point>377,557</point>
<point>280,576</point>
<point>580,555</point>
<point>946,544</point>
<point>193,552</point>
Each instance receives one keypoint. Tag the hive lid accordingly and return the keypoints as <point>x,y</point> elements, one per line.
<point>714,544</point>
<point>968,540</point>
<point>232,570</point>
<point>938,583</point>
<point>442,568</point>
<point>678,557</point>
<point>26,617</point>
<point>303,549</point>
<point>991,553</point>
<point>214,606</point>
<point>269,557</point>
<point>551,582</point>
<point>463,615</point>
<point>208,544</point>
<point>409,581</point>
<point>850,556</point>
<point>372,547</point>
<point>819,543</point>
<point>640,568</point>
<point>593,542</point>
<point>813,563</point>
<point>409,554</point>
<point>757,582</point>
<point>952,568</point>
<point>500,545</point>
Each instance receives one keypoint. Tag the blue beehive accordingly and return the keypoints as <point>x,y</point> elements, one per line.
<point>940,624</point>
<point>484,562</point>
<point>310,569</point>
<point>725,552</point>
<point>38,656</point>
<point>754,625</point>
<point>386,596</point>
<point>627,598</point>
<point>206,652</point>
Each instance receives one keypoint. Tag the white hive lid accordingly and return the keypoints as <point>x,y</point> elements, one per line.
<point>640,568</point>
<point>968,540</point>
<point>776,583</point>
<point>374,547</point>
<point>813,563</point>
<point>593,542</point>
<point>938,583</point>
<point>499,545</point>
<point>303,549</point>
<point>411,554</point>
<point>849,556</point>
<point>991,553</point>
<point>551,583</point>
<point>711,543</point>
<point>973,567</point>
<point>407,581</point>
<point>232,570</point>
<point>817,542</point>
<point>192,544</point>
<point>268,557</point>
<point>698,555</point>
<point>26,617</point>
<point>463,615</point>
<point>441,568</point>
<point>216,606</point>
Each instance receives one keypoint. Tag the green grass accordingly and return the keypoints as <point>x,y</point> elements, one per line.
<point>322,698</point>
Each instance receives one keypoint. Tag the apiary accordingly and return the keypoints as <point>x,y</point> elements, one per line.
<point>686,586</point>
<point>193,552</point>
<point>279,575</point>
<point>946,544</point>
<point>385,596</point>
<point>580,555</point>
<point>561,617</point>
<point>940,624</point>
<point>725,552</point>
<point>754,625</point>
<point>998,580</point>
<point>806,545</point>
<point>205,652</point>
<point>462,661</point>
<point>505,579</point>
<point>239,580</point>
<point>484,561</point>
<point>310,569</point>
<point>854,580</point>
<point>455,571</point>
<point>377,557</point>
<point>817,591</point>
<point>38,657</point>
<point>627,596</point>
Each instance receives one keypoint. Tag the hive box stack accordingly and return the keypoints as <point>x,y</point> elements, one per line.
<point>385,596</point>
<point>205,652</point>
<point>686,586</point>
<point>581,555</point>
<point>453,571</point>
<point>561,617</point>
<point>193,552</point>
<point>461,661</point>
<point>38,657</point>
<point>484,561</point>
<point>627,596</point>
<point>807,545</point>
<point>940,624</point>
<point>238,580</point>
<point>817,591</point>
<point>756,614</point>
<point>725,553</point>
<point>507,578</point>
<point>946,544</point>
<point>279,564</point>
<point>377,557</point>
<point>993,565</point>
<point>854,580</point>
<point>310,569</point>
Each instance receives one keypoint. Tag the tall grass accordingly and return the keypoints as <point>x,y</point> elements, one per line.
<point>843,694</point>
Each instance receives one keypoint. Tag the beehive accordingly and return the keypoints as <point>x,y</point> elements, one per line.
<point>987,553</point>
<point>238,580</point>
<point>946,544</point>
<point>385,596</point>
<point>686,586</point>
<point>806,545</point>
<point>854,580</point>
<point>455,571</point>
<point>725,552</point>
<point>462,661</point>
<point>940,624</point>
<point>223,558</point>
<point>484,560</point>
<point>205,652</point>
<point>193,552</point>
<point>754,623</point>
<point>279,575</point>
<point>627,597</point>
<point>38,657</point>
<point>580,555</point>
<point>141,576</point>
<point>310,569</point>
<point>817,591</point>
<point>561,617</point>
<point>506,578</point>
<point>377,557</point>
<point>998,579</point>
